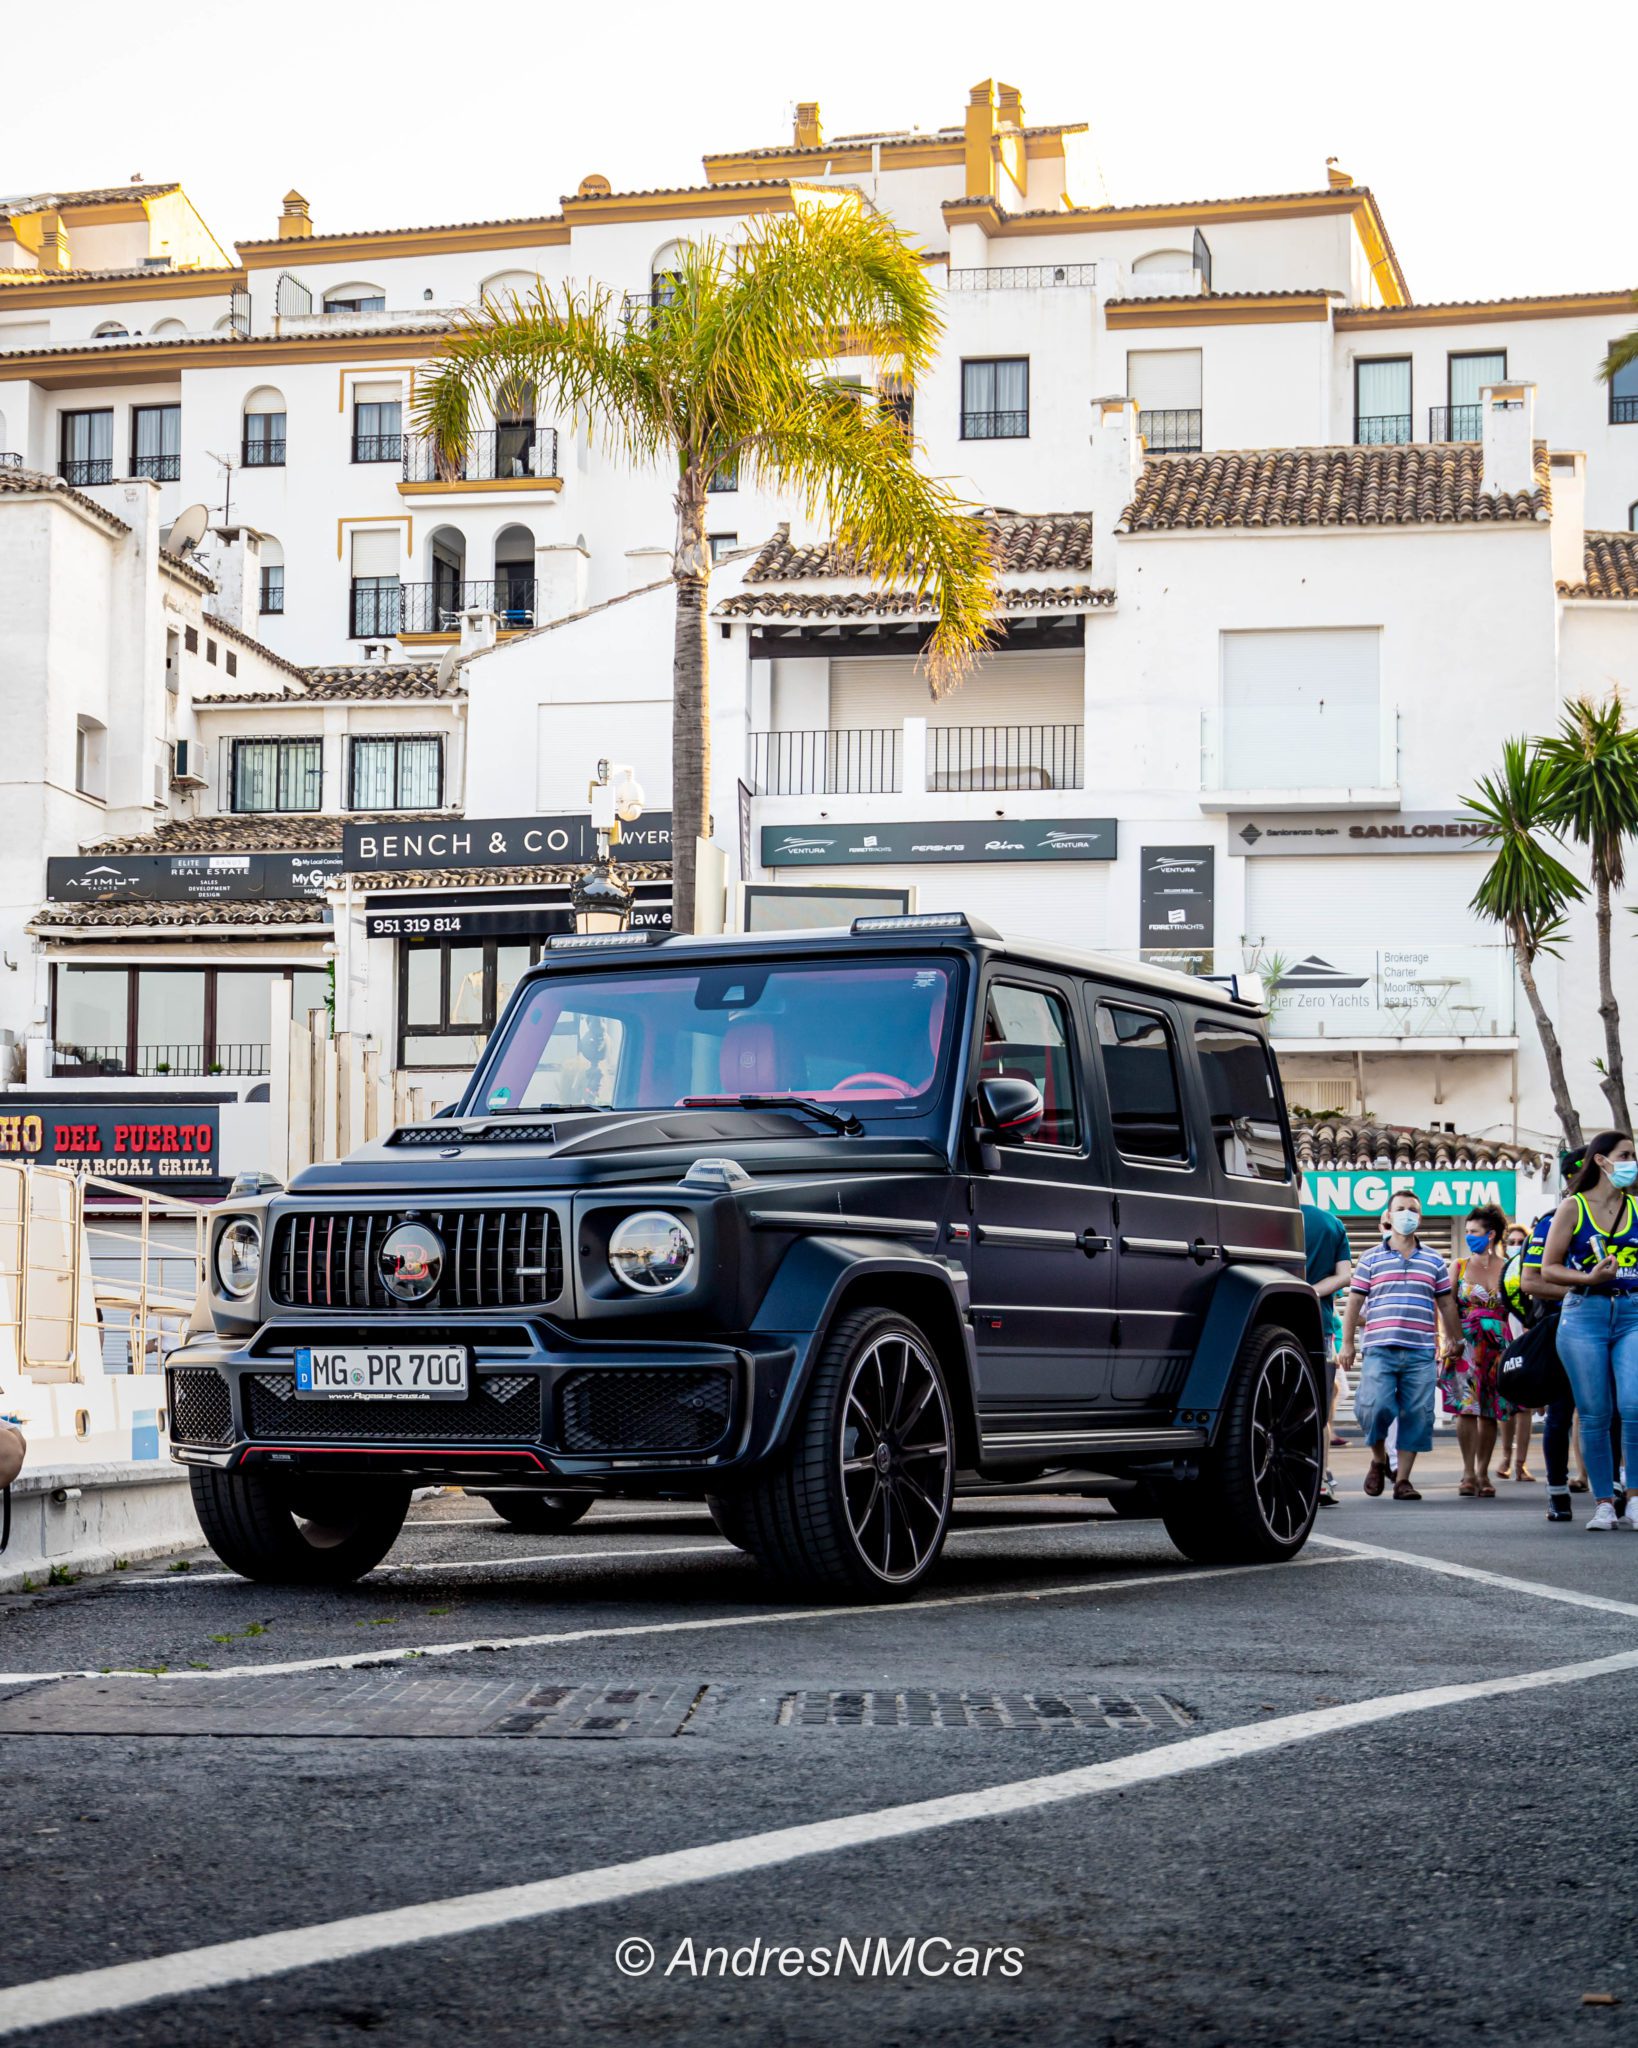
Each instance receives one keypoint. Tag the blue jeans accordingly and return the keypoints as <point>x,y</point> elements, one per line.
<point>1598,1348</point>
<point>1396,1385</point>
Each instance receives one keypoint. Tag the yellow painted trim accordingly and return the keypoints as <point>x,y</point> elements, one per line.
<point>1594,305</point>
<point>449,639</point>
<point>462,487</point>
<point>1224,311</point>
<point>403,519</point>
<point>369,370</point>
<point>107,213</point>
<point>547,231</point>
<point>161,284</point>
<point>143,364</point>
<point>703,203</point>
<point>917,152</point>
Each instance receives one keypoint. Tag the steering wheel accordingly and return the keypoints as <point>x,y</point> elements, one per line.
<point>902,1089</point>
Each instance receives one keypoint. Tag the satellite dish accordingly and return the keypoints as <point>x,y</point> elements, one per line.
<point>188,530</point>
<point>444,686</point>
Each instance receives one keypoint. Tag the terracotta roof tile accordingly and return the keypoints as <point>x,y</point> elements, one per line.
<point>256,832</point>
<point>323,337</point>
<point>1025,543</point>
<point>205,271</point>
<point>189,571</point>
<point>807,604</point>
<point>1399,1148</point>
<point>888,139</point>
<point>1436,483</point>
<point>35,483</point>
<point>302,910</point>
<point>95,195</point>
<point>1296,291</point>
<point>359,682</point>
<point>1610,567</point>
<point>503,878</point>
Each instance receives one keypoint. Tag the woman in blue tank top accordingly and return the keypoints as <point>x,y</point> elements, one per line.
<point>1592,1250</point>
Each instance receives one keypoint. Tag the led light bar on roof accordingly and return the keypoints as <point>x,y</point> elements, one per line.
<point>567,942</point>
<point>915,921</point>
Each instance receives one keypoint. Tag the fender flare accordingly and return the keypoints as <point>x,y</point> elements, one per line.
<point>1245,1296</point>
<point>806,1294</point>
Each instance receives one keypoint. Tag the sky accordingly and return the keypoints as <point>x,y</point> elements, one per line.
<point>1498,142</point>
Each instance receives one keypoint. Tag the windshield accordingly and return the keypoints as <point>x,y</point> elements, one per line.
<point>852,1035</point>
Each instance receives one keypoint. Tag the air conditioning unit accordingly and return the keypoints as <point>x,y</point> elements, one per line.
<point>188,764</point>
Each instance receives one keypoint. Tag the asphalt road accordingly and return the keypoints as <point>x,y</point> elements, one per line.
<point>1286,1805</point>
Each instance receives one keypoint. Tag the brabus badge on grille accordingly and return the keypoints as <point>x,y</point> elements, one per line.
<point>411,1261</point>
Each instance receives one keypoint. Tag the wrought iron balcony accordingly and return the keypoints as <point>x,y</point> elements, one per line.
<point>163,469</point>
<point>1623,411</point>
<point>1023,277</point>
<point>378,447</point>
<point>1172,430</point>
<point>374,613</point>
<point>521,451</point>
<point>1455,422</point>
<point>961,757</point>
<point>995,426</point>
<point>1382,429</point>
<point>97,469</point>
<point>189,1061</point>
<point>268,454</point>
<point>437,607</point>
<point>10,459</point>
<point>863,761</point>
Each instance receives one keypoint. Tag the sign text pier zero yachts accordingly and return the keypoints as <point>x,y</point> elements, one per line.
<point>819,1227</point>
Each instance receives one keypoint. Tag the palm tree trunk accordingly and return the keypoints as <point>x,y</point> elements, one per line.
<point>690,698</point>
<point>1569,1122</point>
<point>1614,1079</point>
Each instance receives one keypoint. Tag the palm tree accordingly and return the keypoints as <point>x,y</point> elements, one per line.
<point>1623,354</point>
<point>1593,763</point>
<point>722,368</point>
<point>1527,890</point>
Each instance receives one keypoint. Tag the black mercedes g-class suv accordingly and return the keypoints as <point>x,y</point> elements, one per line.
<point>822,1227</point>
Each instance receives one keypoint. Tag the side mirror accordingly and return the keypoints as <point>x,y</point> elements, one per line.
<point>1009,1108</point>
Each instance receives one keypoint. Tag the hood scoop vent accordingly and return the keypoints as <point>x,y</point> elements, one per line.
<point>442,1135</point>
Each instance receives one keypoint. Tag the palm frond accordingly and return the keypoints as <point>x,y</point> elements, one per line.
<point>1593,762</point>
<point>1527,888</point>
<point>1622,354</point>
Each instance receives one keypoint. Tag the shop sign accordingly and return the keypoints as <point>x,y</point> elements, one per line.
<point>830,845</point>
<point>139,1141</point>
<point>495,842</point>
<point>1176,898</point>
<point>1451,1193</point>
<point>1405,992</point>
<point>535,922</point>
<point>1357,832</point>
<point>191,877</point>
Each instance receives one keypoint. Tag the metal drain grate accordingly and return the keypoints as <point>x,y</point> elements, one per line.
<point>970,1709</point>
<point>378,1702</point>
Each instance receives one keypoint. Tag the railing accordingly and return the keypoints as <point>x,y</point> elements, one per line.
<point>374,614</point>
<point>96,470</point>
<point>378,447</point>
<point>1455,422</point>
<point>1331,990</point>
<point>995,426</point>
<point>9,459</point>
<point>518,451</point>
<point>267,454</point>
<point>1382,429</point>
<point>961,757</point>
<point>190,1061</point>
<point>437,607</point>
<point>1623,412</point>
<point>273,598</point>
<point>340,320</point>
<point>1338,747</point>
<point>1173,430</point>
<point>1023,277</point>
<point>164,469</point>
<point>851,762</point>
<point>1188,283</point>
<point>637,309</point>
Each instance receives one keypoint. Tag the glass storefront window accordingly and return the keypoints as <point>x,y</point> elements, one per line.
<point>90,1027</point>
<point>171,1020</point>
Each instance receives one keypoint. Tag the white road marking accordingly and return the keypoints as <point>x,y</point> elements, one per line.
<point>397,1655</point>
<point>120,1986</point>
<point>1538,1589</point>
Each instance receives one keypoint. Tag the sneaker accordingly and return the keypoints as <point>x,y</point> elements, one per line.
<point>1630,1519</point>
<point>1603,1518</point>
<point>1328,1495</point>
<point>1558,1508</point>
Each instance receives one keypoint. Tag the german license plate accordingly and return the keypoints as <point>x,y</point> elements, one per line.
<point>394,1372</point>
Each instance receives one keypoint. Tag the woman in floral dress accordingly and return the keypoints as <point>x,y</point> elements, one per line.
<point>1469,1389</point>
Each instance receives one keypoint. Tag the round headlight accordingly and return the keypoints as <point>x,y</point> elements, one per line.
<point>239,1258</point>
<point>652,1252</point>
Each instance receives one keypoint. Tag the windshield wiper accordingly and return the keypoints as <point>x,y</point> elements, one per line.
<point>849,1126</point>
<point>548,1109</point>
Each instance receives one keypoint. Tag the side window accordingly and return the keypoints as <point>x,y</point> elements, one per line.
<point>1026,1033</point>
<point>1242,1102</point>
<point>1140,1072</point>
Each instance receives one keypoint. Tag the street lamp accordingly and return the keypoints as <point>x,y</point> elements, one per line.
<point>601,900</point>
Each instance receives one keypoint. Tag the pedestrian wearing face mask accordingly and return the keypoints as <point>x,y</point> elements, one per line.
<point>1400,1303</point>
<point>1467,1385</point>
<point>1517,1425</point>
<point>1592,1250</point>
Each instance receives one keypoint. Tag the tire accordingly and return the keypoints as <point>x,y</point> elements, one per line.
<point>728,1511</point>
<point>542,1514</point>
<point>1135,1503</point>
<point>859,1506</point>
<point>290,1529</point>
<point>1258,1490</point>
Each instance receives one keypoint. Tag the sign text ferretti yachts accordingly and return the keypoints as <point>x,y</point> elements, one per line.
<point>495,842</point>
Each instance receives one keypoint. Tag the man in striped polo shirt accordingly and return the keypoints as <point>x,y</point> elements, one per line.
<point>1402,1295</point>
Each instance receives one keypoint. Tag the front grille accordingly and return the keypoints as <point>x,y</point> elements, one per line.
<point>448,1134</point>
<point>493,1258</point>
<point>631,1410</point>
<point>502,1408</point>
<point>201,1411</point>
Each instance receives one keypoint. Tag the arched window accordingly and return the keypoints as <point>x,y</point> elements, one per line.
<point>90,756</point>
<point>264,429</point>
<point>662,273</point>
<point>515,577</point>
<point>356,298</point>
<point>224,325</point>
<point>515,430</point>
<point>166,330</point>
<point>108,329</point>
<point>272,592</point>
<point>447,593</point>
<point>507,285</point>
<point>1163,263</point>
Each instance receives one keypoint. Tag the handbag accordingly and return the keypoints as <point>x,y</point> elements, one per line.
<point>1530,1375</point>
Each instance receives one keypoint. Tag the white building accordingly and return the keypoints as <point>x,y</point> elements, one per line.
<point>1290,552</point>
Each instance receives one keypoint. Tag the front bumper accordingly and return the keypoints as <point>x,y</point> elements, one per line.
<point>545,1409</point>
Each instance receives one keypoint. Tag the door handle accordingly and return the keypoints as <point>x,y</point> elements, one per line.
<point>1092,1244</point>
<point>1203,1253</point>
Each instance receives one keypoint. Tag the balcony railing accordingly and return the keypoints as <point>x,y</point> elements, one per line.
<point>97,469</point>
<point>1023,277</point>
<point>273,598</point>
<point>374,614</point>
<point>267,454</point>
<point>10,459</point>
<point>1455,422</point>
<point>851,762</point>
<point>164,469</point>
<point>1382,429</point>
<point>491,457</point>
<point>145,1062</point>
<point>338,320</point>
<point>1623,412</point>
<point>1326,990</point>
<point>1284,751</point>
<point>437,607</point>
<point>378,447</point>
<point>1004,757</point>
<point>995,426</point>
<point>1173,430</point>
